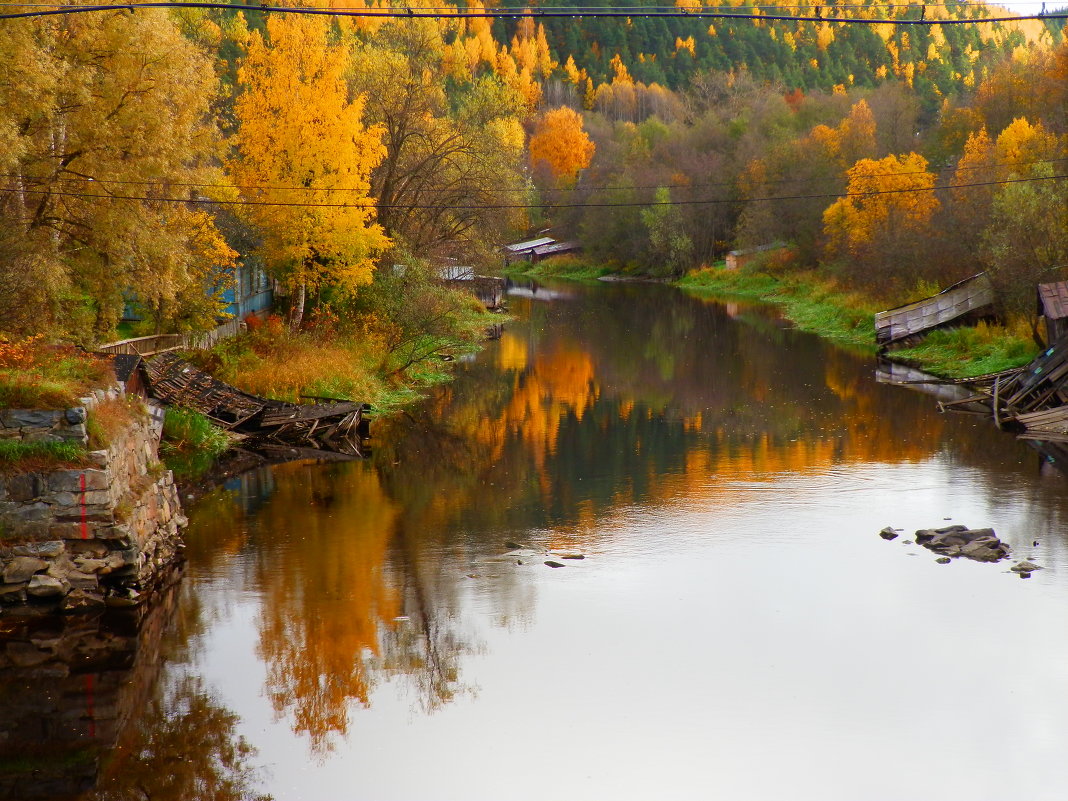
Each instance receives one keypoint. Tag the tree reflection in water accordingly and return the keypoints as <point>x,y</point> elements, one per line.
<point>183,746</point>
<point>363,572</point>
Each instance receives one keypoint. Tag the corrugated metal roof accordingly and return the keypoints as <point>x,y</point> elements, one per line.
<point>519,247</point>
<point>556,247</point>
<point>1053,300</point>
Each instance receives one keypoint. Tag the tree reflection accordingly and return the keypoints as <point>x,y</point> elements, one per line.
<point>183,746</point>
<point>365,571</point>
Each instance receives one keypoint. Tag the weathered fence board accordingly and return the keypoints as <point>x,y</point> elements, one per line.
<point>964,298</point>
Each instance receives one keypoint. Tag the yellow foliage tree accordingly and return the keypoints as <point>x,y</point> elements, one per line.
<point>561,143</point>
<point>304,156</point>
<point>102,118</point>
<point>886,199</point>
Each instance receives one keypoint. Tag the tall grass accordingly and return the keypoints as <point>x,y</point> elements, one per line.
<point>20,456</point>
<point>37,376</point>
<point>812,302</point>
<point>277,363</point>
<point>967,352</point>
<point>190,443</point>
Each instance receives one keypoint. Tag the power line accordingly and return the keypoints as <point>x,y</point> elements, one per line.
<point>491,206</point>
<point>568,9</point>
<point>506,190</point>
<point>651,12</point>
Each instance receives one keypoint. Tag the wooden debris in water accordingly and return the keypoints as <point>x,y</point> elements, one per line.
<point>333,425</point>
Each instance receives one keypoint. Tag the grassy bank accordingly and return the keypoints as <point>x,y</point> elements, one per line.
<point>191,443</point>
<point>814,303</point>
<point>573,268</point>
<point>34,375</point>
<point>384,357</point>
<point>811,302</point>
<point>967,352</point>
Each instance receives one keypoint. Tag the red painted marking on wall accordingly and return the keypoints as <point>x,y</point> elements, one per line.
<point>85,524</point>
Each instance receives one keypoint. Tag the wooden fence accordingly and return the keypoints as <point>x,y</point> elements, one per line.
<point>160,343</point>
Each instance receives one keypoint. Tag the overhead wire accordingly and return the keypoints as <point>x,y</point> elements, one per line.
<point>506,190</point>
<point>650,12</point>
<point>370,204</point>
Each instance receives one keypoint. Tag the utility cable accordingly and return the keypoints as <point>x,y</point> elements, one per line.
<point>533,13</point>
<point>370,204</point>
<point>505,190</point>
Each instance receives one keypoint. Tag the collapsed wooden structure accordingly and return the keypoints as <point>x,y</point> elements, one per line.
<point>1033,398</point>
<point>970,298</point>
<point>330,424</point>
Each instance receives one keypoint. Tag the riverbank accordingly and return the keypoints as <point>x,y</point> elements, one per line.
<point>817,304</point>
<point>811,302</point>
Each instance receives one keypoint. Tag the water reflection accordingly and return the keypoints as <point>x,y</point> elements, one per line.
<point>361,571</point>
<point>88,710</point>
<point>365,615</point>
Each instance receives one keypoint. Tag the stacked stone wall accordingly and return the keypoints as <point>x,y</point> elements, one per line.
<point>86,538</point>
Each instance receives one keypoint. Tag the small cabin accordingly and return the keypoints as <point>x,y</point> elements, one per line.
<point>1053,305</point>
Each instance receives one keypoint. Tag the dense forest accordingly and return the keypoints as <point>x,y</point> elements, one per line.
<point>143,153</point>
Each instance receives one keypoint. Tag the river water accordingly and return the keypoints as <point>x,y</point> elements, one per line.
<point>736,629</point>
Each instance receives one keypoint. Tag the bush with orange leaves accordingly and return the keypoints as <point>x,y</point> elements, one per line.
<point>34,375</point>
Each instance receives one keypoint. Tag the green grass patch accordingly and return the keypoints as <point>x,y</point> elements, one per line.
<point>811,302</point>
<point>38,376</point>
<point>20,456</point>
<point>968,352</point>
<point>573,268</point>
<point>191,443</point>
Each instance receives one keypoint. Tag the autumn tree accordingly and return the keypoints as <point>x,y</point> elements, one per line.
<point>881,223</point>
<point>105,119</point>
<point>304,157</point>
<point>561,144</point>
<point>453,148</point>
<point>1027,241</point>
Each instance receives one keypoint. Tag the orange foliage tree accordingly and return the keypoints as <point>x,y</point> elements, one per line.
<point>884,217</point>
<point>561,144</point>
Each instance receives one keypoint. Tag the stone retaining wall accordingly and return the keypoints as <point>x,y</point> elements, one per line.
<point>81,539</point>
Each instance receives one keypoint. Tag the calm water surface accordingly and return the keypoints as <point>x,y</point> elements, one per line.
<point>737,629</point>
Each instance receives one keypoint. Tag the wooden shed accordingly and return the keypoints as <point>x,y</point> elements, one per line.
<point>1053,305</point>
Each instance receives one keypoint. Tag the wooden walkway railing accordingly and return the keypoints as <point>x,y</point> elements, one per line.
<point>161,343</point>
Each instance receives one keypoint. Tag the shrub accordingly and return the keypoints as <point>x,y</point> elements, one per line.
<point>37,376</point>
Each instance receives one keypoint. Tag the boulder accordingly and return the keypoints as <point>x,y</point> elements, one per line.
<point>888,533</point>
<point>980,544</point>
<point>1025,567</point>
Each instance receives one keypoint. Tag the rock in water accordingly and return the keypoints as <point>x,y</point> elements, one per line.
<point>551,563</point>
<point>888,533</point>
<point>1025,567</point>
<point>980,544</point>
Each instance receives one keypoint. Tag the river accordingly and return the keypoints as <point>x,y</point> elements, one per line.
<point>736,629</point>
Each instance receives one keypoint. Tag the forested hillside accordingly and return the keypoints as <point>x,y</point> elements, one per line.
<point>143,152</point>
<point>934,61</point>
